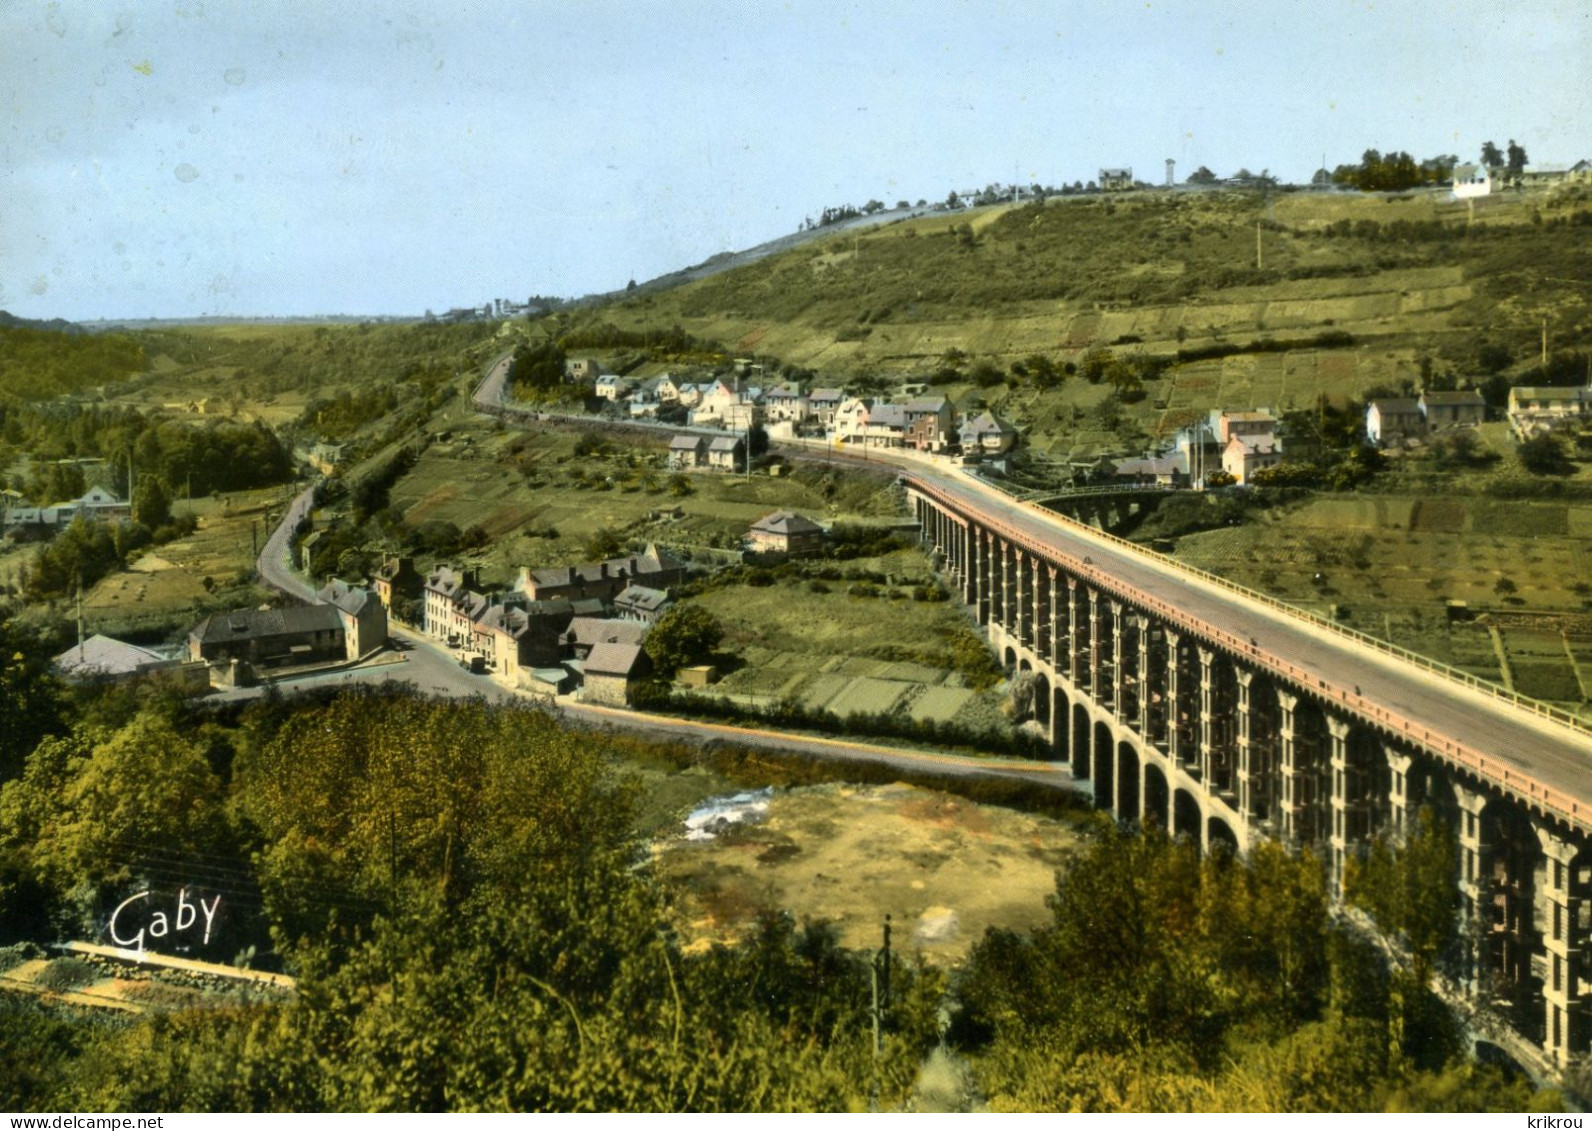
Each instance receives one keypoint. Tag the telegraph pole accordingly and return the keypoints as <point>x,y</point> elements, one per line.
<point>881,990</point>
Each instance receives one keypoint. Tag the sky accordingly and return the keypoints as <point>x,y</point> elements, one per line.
<point>178,158</point>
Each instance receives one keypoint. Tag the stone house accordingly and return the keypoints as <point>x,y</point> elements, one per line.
<point>1445,410</point>
<point>1245,455</point>
<point>610,672</point>
<point>928,424</point>
<point>641,603</point>
<point>363,615</point>
<point>267,638</point>
<point>1392,419</point>
<point>448,594</point>
<point>987,434</point>
<point>687,452</point>
<point>611,387</point>
<point>786,532</point>
<point>727,453</point>
<point>822,404</point>
<point>586,633</point>
<point>396,583</point>
<point>887,425</point>
<point>785,403</point>
<point>602,580</point>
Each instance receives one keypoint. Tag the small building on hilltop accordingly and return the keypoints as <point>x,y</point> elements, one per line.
<point>1471,181</point>
<point>1115,180</point>
<point>786,532</point>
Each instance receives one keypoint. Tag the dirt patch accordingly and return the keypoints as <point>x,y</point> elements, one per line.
<point>943,868</point>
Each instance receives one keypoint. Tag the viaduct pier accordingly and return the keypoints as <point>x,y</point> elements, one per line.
<point>1227,718</point>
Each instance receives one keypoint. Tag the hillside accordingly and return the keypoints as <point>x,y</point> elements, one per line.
<point>1416,283</point>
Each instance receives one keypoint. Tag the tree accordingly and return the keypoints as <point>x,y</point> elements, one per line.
<point>1517,158</point>
<point>685,634</point>
<point>1544,455</point>
<point>538,368</point>
<point>1505,587</point>
<point>1490,155</point>
<point>603,544</point>
<point>1202,176</point>
<point>151,502</point>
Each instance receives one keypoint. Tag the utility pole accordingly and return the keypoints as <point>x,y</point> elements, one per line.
<point>1257,246</point>
<point>881,990</point>
<point>1544,341</point>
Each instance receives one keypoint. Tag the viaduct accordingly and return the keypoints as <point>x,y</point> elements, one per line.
<point>1225,717</point>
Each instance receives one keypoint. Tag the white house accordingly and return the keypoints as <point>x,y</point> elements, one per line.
<point>1472,181</point>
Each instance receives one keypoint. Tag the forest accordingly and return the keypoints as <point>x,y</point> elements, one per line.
<point>466,901</point>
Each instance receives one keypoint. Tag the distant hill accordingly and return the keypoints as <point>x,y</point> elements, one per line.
<point>57,325</point>
<point>38,363</point>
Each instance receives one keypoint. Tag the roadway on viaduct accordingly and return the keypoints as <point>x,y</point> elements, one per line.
<point>1545,763</point>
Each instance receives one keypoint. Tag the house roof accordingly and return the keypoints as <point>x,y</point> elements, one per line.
<point>1456,398</point>
<point>684,443</point>
<point>263,624</point>
<point>888,415</point>
<point>725,443</point>
<point>1253,445</point>
<point>596,630</point>
<point>986,422</point>
<point>1394,405</point>
<point>787,523</point>
<point>642,599</point>
<point>1548,392</point>
<point>614,659</point>
<point>105,655</point>
<point>825,395</point>
<point>350,598</point>
<point>1172,462</point>
<point>650,561</point>
<point>927,404</point>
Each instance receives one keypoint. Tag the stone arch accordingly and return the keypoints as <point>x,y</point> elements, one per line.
<point>1024,666</point>
<point>1060,723</point>
<point>1079,747</point>
<point>1220,837</point>
<point>1157,797</point>
<point>1100,762</point>
<point>1186,817</point>
<point>1127,783</point>
<point>1010,659</point>
<point>1041,699</point>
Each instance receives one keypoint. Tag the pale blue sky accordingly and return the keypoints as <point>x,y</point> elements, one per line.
<point>177,157</point>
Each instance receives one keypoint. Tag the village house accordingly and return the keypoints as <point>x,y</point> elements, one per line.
<point>1167,470</point>
<point>1471,181</point>
<point>641,603</point>
<point>586,633</point>
<point>668,389</point>
<point>785,404</point>
<point>582,369</point>
<point>1391,419</point>
<point>687,452</point>
<point>987,434</point>
<point>822,404</point>
<point>928,424</point>
<point>1114,180</point>
<point>363,615</point>
<point>1540,410</point>
<point>611,387</point>
<point>94,505</point>
<point>786,532</point>
<point>886,425</point>
<point>611,671</point>
<point>1446,410</point>
<point>602,580</point>
<point>396,583</point>
<point>1245,455</point>
<point>268,638</point>
<point>644,400</point>
<point>519,637</point>
<point>851,420</point>
<point>448,594</point>
<point>727,453</point>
